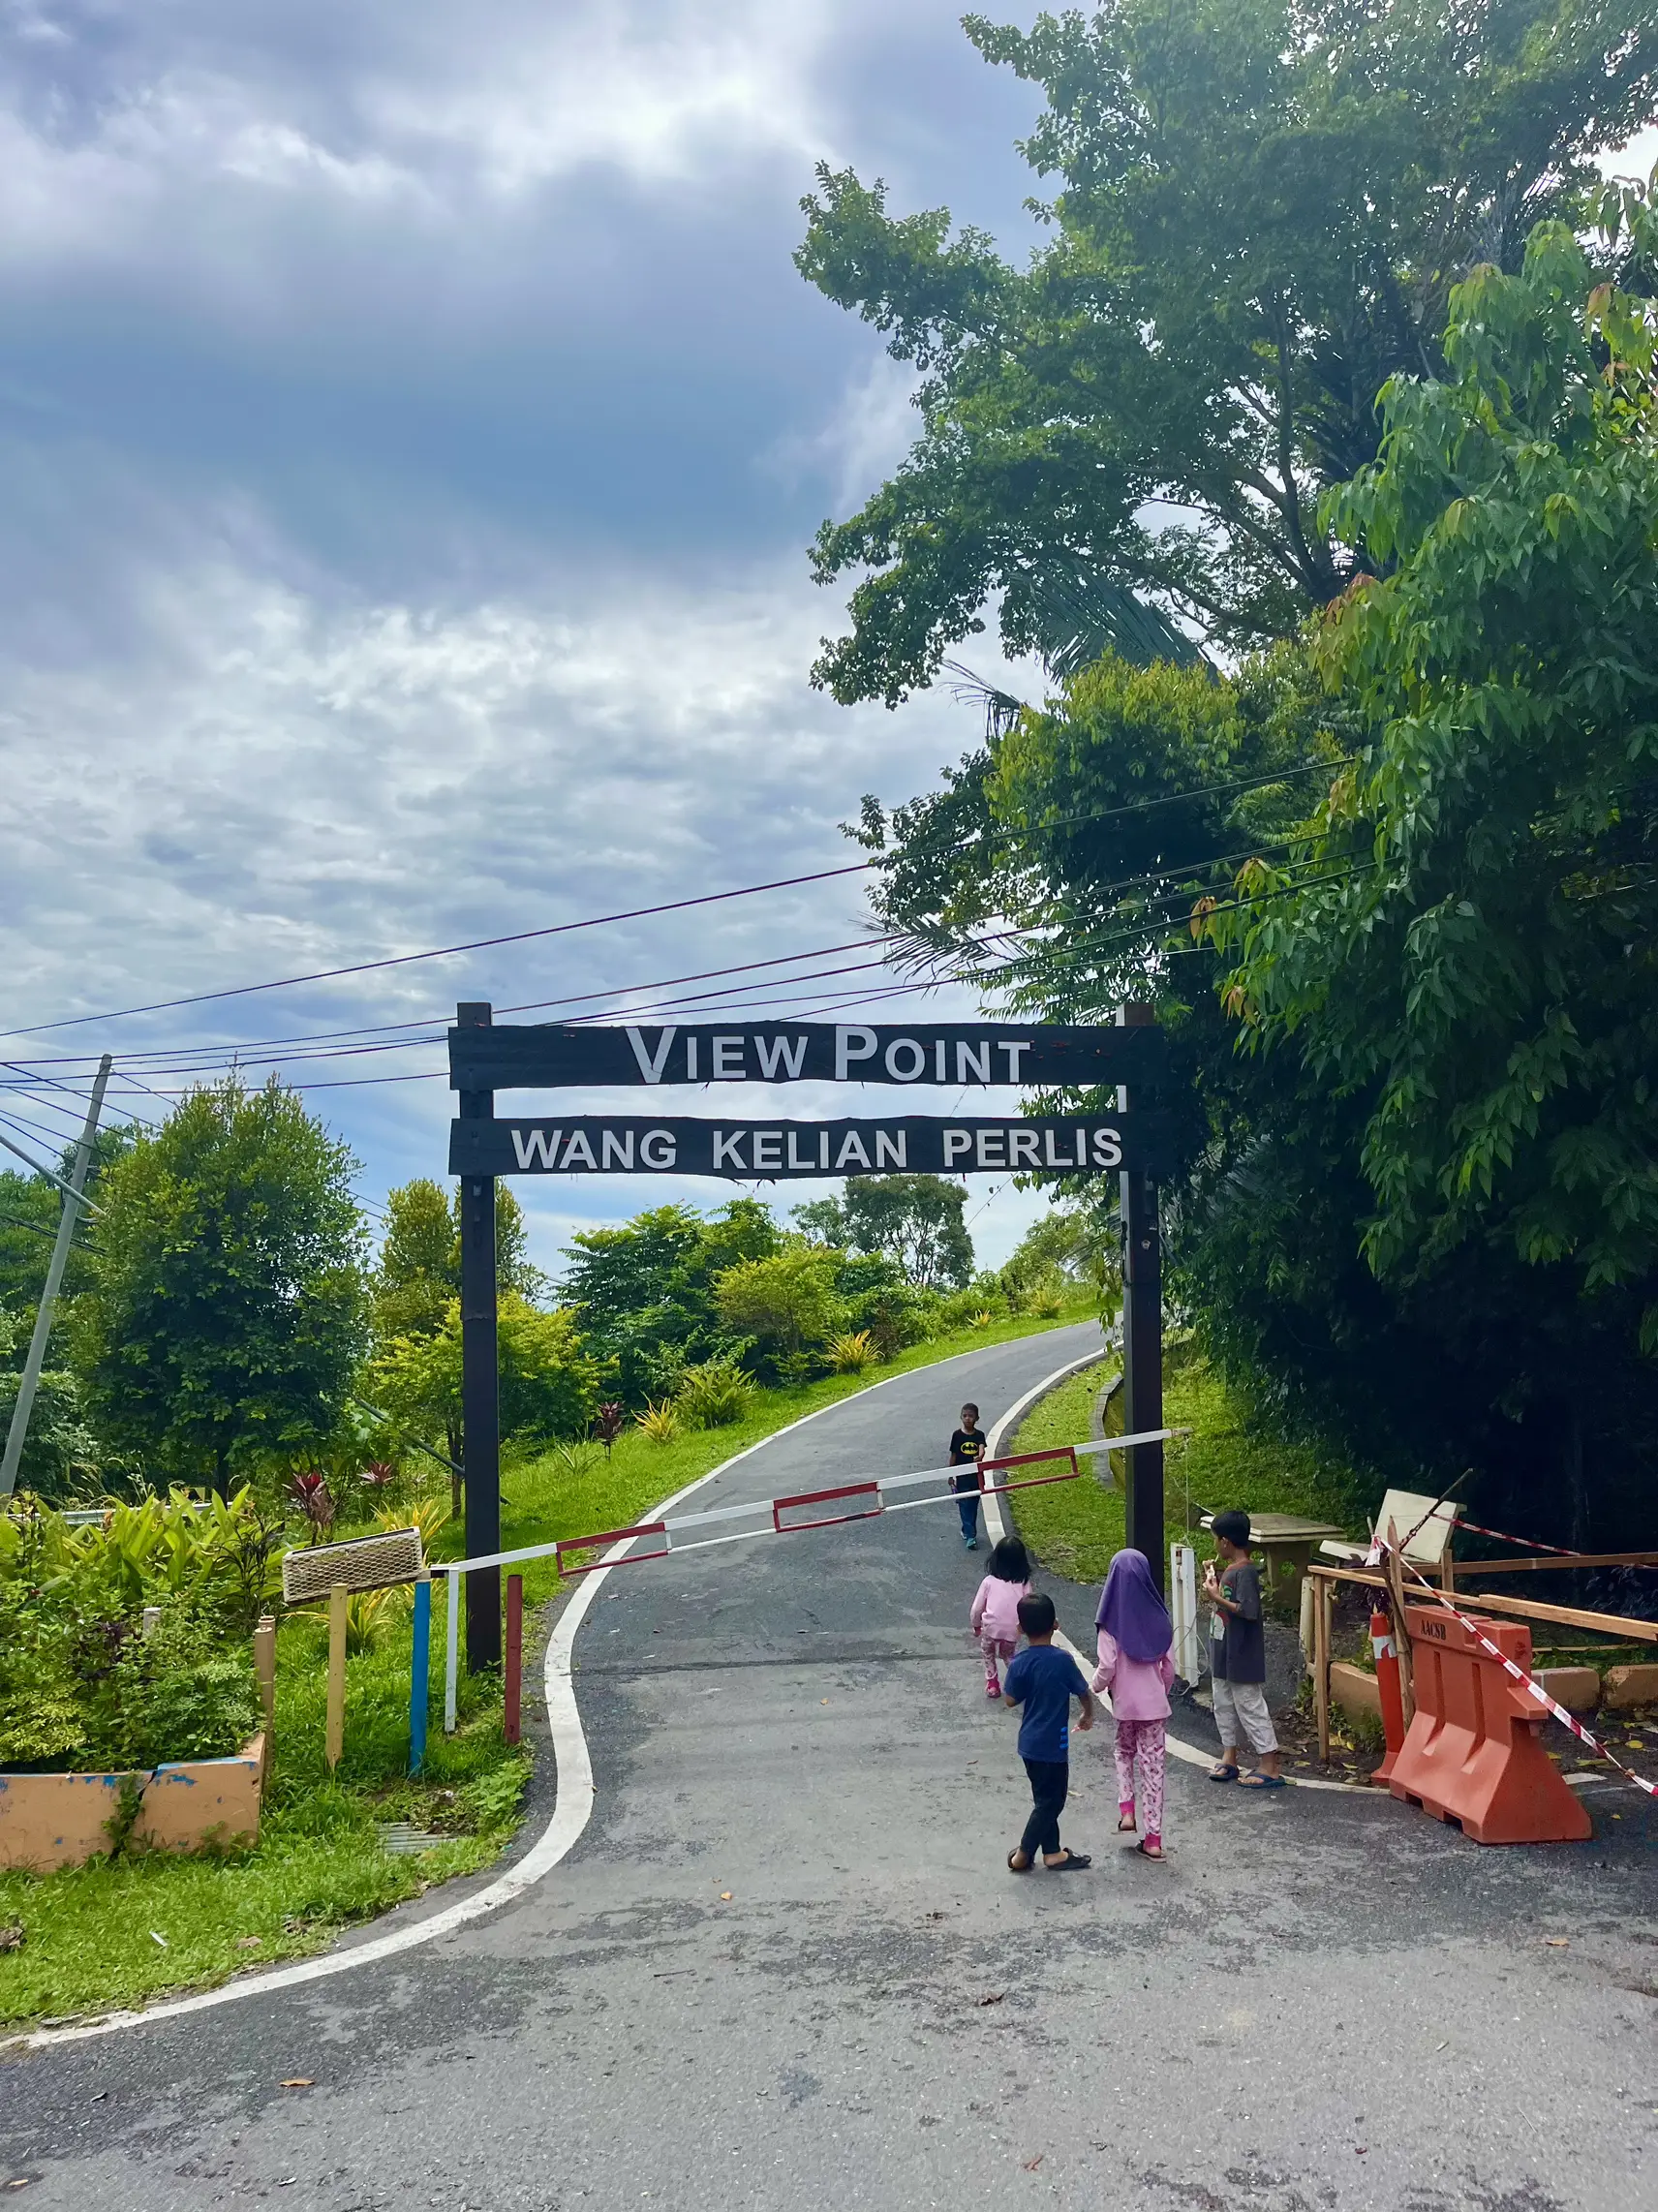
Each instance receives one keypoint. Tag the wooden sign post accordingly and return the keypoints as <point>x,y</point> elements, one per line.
<point>480,1389</point>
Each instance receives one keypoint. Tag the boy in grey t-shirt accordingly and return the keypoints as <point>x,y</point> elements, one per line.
<point>1237,1657</point>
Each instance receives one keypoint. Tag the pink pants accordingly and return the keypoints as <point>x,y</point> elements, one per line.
<point>996,1647</point>
<point>1142,1740</point>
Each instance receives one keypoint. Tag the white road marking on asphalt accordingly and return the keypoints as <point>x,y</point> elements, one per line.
<point>572,1810</point>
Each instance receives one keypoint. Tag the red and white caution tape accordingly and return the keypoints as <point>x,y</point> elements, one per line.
<point>1533,1687</point>
<point>1525,1542</point>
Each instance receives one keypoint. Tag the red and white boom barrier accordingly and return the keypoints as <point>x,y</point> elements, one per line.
<point>864,1501</point>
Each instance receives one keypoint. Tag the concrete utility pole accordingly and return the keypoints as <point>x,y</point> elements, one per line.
<point>66,1227</point>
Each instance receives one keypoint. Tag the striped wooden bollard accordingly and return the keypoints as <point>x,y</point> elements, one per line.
<point>420,1673</point>
<point>514,1657</point>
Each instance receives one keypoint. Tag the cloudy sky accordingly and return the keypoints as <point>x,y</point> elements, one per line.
<point>412,425</point>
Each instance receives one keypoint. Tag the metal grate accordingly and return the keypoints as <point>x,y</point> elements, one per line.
<point>365,1563</point>
<point>404,1840</point>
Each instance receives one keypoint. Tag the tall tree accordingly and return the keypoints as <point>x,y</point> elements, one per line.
<point>914,1219</point>
<point>1465,941</point>
<point>419,1267</point>
<point>225,1312</point>
<point>1262,207</point>
<point>645,1291</point>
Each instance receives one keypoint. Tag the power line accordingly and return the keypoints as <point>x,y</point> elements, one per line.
<point>631,914</point>
<point>441,952</point>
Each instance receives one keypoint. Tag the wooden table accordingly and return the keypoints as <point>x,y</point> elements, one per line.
<point>1285,1543</point>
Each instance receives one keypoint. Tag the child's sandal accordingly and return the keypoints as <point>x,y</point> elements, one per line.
<point>1155,1856</point>
<point>1126,1825</point>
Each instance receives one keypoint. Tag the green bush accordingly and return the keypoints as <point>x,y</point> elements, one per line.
<point>176,1694</point>
<point>80,1683</point>
<point>713,1393</point>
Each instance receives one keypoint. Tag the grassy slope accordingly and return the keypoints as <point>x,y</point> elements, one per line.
<point>1228,1459</point>
<point>90,1931</point>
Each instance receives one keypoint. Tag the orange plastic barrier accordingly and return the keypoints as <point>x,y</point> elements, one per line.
<point>1473,1754</point>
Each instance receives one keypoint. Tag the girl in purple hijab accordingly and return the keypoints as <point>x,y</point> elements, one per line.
<point>1136,1668</point>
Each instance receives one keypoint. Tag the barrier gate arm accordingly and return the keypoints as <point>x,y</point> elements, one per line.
<point>876,1487</point>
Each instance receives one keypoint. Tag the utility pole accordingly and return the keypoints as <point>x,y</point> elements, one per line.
<point>1142,1349</point>
<point>480,1400</point>
<point>66,1227</point>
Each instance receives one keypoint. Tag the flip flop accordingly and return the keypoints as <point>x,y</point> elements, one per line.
<point>1222,1775</point>
<point>1155,1856</point>
<point>1262,1782</point>
<point>1127,1827</point>
<point>1012,1869</point>
<point>1072,1859</point>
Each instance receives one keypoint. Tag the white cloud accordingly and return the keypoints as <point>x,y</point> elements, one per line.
<point>268,781</point>
<point>421,115</point>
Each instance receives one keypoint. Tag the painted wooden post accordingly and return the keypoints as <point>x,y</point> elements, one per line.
<point>338,1597</point>
<point>514,1657</point>
<point>452,1654</point>
<point>420,1673</point>
<point>265,1671</point>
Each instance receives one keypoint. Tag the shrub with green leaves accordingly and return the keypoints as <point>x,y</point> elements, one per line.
<point>713,1393</point>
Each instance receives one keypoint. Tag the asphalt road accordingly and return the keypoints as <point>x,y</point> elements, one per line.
<point>785,1966</point>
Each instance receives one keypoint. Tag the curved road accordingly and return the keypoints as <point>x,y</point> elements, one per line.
<point>785,1968</point>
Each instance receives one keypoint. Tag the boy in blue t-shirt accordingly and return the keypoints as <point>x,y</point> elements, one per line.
<point>1044,1681</point>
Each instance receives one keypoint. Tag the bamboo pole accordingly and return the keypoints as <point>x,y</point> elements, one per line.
<point>1557,1566</point>
<point>1323,1597</point>
<point>1618,1627</point>
<point>336,1737</point>
<point>265,1671</point>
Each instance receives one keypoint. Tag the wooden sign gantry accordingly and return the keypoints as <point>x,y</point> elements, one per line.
<point>484,1059</point>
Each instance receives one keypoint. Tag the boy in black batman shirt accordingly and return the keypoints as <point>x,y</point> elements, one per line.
<point>967,1450</point>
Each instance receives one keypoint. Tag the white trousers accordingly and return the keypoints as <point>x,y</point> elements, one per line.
<point>1243,1706</point>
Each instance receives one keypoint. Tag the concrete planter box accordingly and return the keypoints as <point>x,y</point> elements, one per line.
<point>49,1820</point>
<point>1353,1690</point>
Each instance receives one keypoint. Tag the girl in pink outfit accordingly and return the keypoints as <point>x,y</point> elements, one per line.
<point>1136,1666</point>
<point>994,1615</point>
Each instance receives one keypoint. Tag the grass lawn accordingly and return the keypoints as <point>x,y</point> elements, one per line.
<point>1229,1460</point>
<point>90,1933</point>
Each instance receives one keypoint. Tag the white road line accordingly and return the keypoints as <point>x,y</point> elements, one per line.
<point>996,1523</point>
<point>572,1811</point>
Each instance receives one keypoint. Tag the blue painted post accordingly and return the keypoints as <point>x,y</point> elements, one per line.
<point>421,1675</point>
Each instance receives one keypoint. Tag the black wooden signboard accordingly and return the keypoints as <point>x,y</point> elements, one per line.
<point>764,1152</point>
<point>555,1055</point>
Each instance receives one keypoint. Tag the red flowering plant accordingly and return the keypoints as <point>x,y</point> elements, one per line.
<point>311,1493</point>
<point>608,1423</point>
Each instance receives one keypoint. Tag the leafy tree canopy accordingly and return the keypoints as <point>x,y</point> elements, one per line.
<point>550,1384</point>
<point>419,1268</point>
<point>1417,1207</point>
<point>225,1311</point>
<point>645,1292</point>
<point>914,1219</point>
<point>787,1299</point>
<point>1473,949</point>
<point>1263,206</point>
